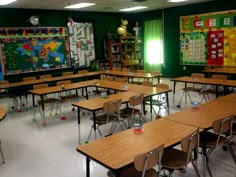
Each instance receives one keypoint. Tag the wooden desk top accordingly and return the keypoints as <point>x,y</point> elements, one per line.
<point>231,83</point>
<point>118,150</point>
<point>47,80</point>
<point>231,98</point>
<point>131,87</point>
<point>209,81</point>
<point>204,116</point>
<point>130,74</point>
<point>3,113</point>
<point>223,70</point>
<point>97,103</point>
<point>55,89</point>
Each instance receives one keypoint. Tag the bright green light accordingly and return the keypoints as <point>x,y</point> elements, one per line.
<point>154,52</point>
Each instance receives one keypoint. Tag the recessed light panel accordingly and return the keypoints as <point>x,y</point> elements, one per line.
<point>5,2</point>
<point>80,5</point>
<point>133,8</point>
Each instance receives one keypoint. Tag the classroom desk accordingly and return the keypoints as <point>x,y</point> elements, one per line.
<point>230,98</point>
<point>204,116</point>
<point>148,91</point>
<point>117,152</point>
<point>56,89</point>
<point>133,75</point>
<point>96,104</point>
<point>205,81</point>
<point>222,70</point>
<point>49,80</point>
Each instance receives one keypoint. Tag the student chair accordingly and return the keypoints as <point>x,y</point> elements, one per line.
<point>220,135</point>
<point>174,159</point>
<point>131,111</point>
<point>144,164</point>
<point>111,115</point>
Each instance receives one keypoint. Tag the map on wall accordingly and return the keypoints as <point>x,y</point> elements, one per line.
<point>30,54</point>
<point>33,49</point>
<point>219,29</point>
<point>81,41</point>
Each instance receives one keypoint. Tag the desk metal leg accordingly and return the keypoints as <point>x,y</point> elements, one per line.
<point>86,91</point>
<point>79,125</point>
<point>94,124</point>
<point>151,106</point>
<point>43,112</point>
<point>87,167</point>
<point>174,93</point>
<point>167,102</point>
<point>204,154</point>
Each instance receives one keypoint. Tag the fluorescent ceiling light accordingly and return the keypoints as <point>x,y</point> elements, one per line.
<point>133,8</point>
<point>5,2</point>
<point>80,5</point>
<point>176,0</point>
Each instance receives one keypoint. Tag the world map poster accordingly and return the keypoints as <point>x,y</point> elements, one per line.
<point>32,54</point>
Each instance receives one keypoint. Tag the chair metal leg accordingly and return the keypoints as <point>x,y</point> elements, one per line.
<point>90,133</point>
<point>196,170</point>
<point>3,160</point>
<point>208,169</point>
<point>232,153</point>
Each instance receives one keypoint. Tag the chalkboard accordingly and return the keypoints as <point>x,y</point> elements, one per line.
<point>34,51</point>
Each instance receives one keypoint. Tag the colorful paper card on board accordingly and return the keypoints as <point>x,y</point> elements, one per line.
<point>198,23</point>
<point>210,22</point>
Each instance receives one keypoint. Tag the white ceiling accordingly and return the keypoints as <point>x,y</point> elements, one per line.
<point>101,5</point>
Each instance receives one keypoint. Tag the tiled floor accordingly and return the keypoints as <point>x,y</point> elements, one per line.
<point>32,150</point>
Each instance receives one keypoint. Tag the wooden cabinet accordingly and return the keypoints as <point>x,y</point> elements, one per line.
<point>115,54</point>
<point>126,52</point>
<point>132,50</point>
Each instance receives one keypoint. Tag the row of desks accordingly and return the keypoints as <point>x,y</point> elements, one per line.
<point>96,104</point>
<point>117,151</point>
<point>82,75</point>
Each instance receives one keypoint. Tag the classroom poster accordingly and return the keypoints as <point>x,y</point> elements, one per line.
<point>220,41</point>
<point>81,42</point>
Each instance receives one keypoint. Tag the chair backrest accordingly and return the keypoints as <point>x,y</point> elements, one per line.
<point>4,82</point>
<point>125,69</point>
<point>82,71</point>
<point>136,100</point>
<point>67,73</point>
<point>148,160</point>
<point>119,79</point>
<point>45,76</point>
<point>155,72</point>
<point>223,126</point>
<point>107,78</point>
<point>198,75</point>
<point>29,78</point>
<point>147,83</point>
<point>141,71</point>
<point>63,82</point>
<point>160,85</point>
<point>189,143</point>
<point>112,106</point>
<point>39,86</point>
<point>116,69</point>
<point>219,76</point>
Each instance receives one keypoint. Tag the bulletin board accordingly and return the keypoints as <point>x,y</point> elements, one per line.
<point>208,39</point>
<point>81,41</point>
<point>33,49</point>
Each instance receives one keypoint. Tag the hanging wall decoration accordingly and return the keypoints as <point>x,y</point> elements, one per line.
<point>81,42</point>
<point>208,39</point>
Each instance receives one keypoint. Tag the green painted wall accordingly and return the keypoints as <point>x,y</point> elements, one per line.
<point>104,22</point>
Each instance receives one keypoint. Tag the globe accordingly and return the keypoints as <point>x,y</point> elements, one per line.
<point>120,31</point>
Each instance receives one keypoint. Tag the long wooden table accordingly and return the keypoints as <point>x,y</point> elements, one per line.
<point>117,151</point>
<point>230,97</point>
<point>97,103</point>
<point>133,75</point>
<point>204,116</point>
<point>222,70</point>
<point>56,89</point>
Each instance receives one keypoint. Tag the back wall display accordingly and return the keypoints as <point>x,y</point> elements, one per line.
<point>33,49</point>
<point>81,40</point>
<point>208,39</point>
